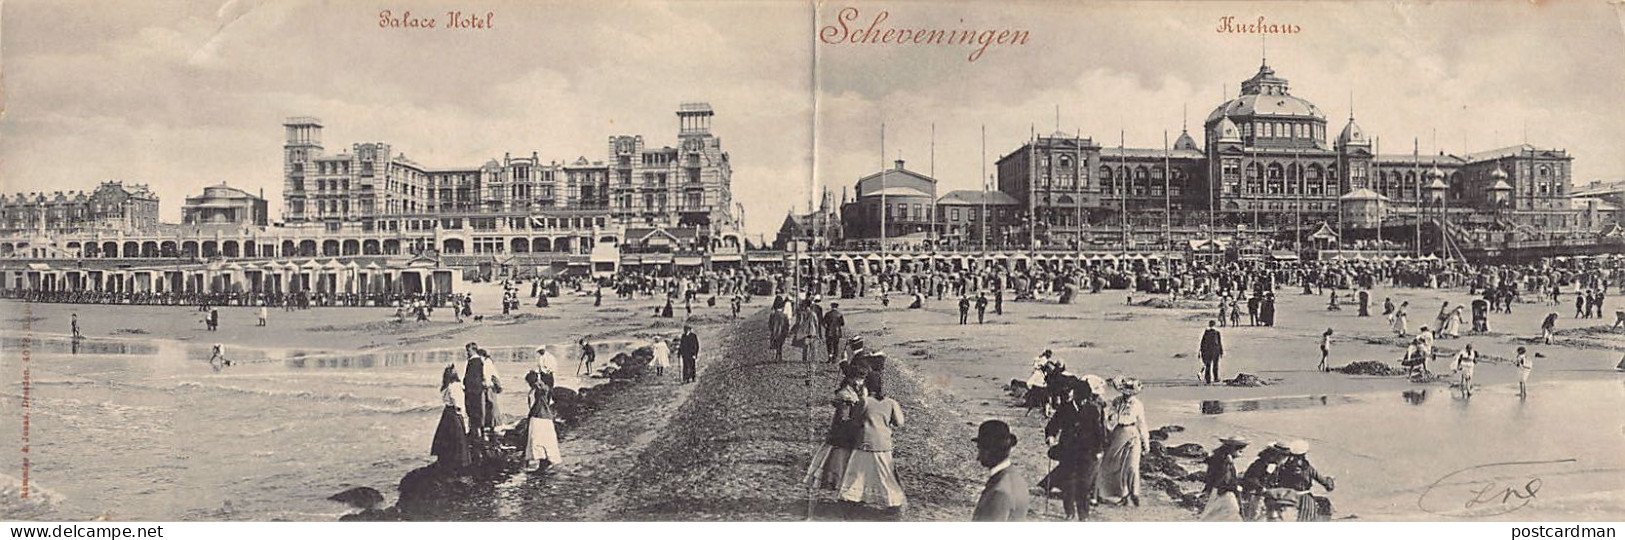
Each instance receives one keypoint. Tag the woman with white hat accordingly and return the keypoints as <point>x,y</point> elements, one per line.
<point>1120,466</point>
<point>1295,477</point>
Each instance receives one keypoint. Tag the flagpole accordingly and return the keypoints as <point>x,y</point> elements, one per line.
<point>981,223</point>
<point>1032,189</point>
<point>1167,199</point>
<point>883,208</point>
<point>1077,187</point>
<point>1297,207</point>
<point>1382,214</point>
<point>931,236</point>
<point>1122,157</point>
<point>1416,214</point>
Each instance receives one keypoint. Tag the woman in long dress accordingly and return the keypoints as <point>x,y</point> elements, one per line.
<point>541,436</point>
<point>451,435</point>
<point>1222,487</point>
<point>1401,320</point>
<point>1451,324</point>
<point>829,463</point>
<point>1120,466</point>
<point>871,477</point>
<point>662,357</point>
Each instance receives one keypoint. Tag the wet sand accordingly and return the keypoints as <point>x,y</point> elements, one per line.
<point>735,445</point>
<point>1385,451</point>
<point>132,423</point>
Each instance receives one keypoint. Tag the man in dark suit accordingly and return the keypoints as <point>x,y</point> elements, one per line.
<point>689,350</point>
<point>834,332</point>
<point>1078,435</point>
<point>778,328</point>
<point>1212,349</point>
<point>1005,496</point>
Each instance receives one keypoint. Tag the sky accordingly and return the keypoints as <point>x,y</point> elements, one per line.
<point>182,95</point>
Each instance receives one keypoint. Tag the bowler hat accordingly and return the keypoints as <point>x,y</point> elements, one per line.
<point>994,434</point>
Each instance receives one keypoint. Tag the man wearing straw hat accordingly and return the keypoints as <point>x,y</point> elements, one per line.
<point>1004,498</point>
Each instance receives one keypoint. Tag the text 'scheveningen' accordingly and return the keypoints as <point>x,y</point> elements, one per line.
<point>847,30</point>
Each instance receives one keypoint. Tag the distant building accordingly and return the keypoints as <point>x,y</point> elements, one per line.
<point>969,219</point>
<point>371,187</point>
<point>112,206</point>
<point>1601,203</point>
<point>903,200</point>
<point>225,205</point>
<point>818,229</point>
<point>1270,162</point>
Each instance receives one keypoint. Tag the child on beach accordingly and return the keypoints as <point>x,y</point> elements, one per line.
<point>1325,349</point>
<point>1524,368</point>
<point>217,359</point>
<point>1466,360</point>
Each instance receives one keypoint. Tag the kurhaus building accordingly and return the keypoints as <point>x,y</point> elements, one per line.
<point>1269,161</point>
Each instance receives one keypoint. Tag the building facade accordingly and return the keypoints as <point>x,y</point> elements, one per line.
<point>111,206</point>
<point>1269,163</point>
<point>897,200</point>
<point>373,187</point>
<point>969,219</point>
<point>225,205</point>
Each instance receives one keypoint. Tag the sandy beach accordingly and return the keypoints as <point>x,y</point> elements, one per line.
<point>1381,436</point>
<point>327,399</point>
<point>131,422</point>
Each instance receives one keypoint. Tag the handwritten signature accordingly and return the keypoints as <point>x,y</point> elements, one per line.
<point>1485,490</point>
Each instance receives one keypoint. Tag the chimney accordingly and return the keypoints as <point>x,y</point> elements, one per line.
<point>899,164</point>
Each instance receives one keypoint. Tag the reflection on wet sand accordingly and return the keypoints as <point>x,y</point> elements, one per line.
<point>1214,406</point>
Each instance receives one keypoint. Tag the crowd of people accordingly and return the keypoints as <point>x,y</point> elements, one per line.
<point>288,301</point>
<point>1097,432</point>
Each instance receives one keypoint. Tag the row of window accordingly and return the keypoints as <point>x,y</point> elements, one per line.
<point>1283,130</point>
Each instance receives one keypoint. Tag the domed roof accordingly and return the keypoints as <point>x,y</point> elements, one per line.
<point>1434,173</point>
<point>1498,173</point>
<point>1351,134</point>
<point>1227,130</point>
<point>1267,105</point>
<point>1185,142</point>
<point>1265,95</point>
